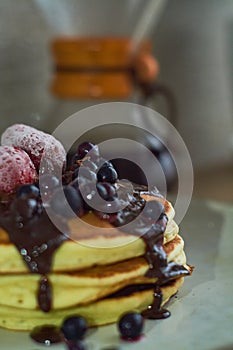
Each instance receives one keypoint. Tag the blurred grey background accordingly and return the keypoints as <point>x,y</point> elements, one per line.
<point>192,40</point>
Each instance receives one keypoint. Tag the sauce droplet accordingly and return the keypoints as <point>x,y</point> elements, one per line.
<point>47,335</point>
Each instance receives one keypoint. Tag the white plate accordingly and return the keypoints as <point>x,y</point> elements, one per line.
<point>202,312</point>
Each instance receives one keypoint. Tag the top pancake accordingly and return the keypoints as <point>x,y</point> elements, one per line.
<point>89,245</point>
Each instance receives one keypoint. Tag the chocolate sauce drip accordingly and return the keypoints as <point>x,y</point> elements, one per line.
<point>159,266</point>
<point>36,238</point>
<point>155,255</point>
<point>47,335</point>
<point>155,311</point>
<point>44,295</point>
<point>153,236</point>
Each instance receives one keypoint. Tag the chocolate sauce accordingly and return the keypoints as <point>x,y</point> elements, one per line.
<point>47,335</point>
<point>126,291</point>
<point>155,255</point>
<point>130,212</point>
<point>44,294</point>
<point>36,238</point>
<point>155,311</point>
<point>159,267</point>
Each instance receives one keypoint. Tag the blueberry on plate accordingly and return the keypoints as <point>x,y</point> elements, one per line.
<point>130,325</point>
<point>74,328</point>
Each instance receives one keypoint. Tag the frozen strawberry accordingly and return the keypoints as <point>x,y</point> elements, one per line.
<point>35,143</point>
<point>16,168</point>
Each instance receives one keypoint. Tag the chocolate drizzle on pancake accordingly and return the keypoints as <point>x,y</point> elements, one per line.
<point>155,255</point>
<point>36,239</point>
<point>159,266</point>
<point>155,311</point>
<point>44,296</point>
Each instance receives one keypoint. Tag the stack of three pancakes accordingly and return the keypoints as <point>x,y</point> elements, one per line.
<point>97,274</point>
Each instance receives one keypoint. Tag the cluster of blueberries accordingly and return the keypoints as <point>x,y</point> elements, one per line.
<point>88,176</point>
<point>84,172</point>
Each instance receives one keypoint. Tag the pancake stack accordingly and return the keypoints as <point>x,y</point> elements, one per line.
<point>96,276</point>
<point>94,264</point>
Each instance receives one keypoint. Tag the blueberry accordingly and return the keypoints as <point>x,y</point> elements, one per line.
<point>74,199</point>
<point>28,190</point>
<point>86,147</point>
<point>72,196</point>
<point>101,162</point>
<point>74,328</point>
<point>106,190</point>
<point>107,174</point>
<point>130,325</point>
<point>78,182</point>
<point>152,210</point>
<point>26,208</point>
<point>88,191</point>
<point>48,183</point>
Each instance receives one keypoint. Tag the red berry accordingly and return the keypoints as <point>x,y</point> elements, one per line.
<point>35,142</point>
<point>16,168</point>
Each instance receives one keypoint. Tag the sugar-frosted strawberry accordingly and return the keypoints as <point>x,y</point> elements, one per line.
<point>16,168</point>
<point>35,143</point>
